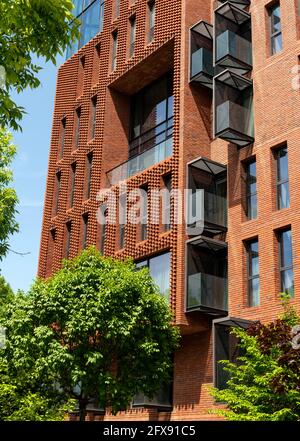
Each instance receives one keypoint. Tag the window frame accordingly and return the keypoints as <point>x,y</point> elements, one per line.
<point>249,193</point>
<point>152,20</point>
<point>274,34</point>
<point>114,55</point>
<point>281,182</point>
<point>73,183</point>
<point>284,269</point>
<point>250,275</point>
<point>132,35</point>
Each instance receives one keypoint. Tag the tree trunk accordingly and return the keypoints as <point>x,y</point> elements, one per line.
<point>82,410</point>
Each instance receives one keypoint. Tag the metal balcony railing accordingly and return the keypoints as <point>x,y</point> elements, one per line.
<point>230,44</point>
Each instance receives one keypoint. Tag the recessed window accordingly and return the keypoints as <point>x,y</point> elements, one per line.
<point>117,7</point>
<point>122,219</point>
<point>68,238</point>
<point>132,36</point>
<point>77,126</point>
<point>166,205</point>
<point>151,12</point>
<point>93,116</point>
<point>144,213</point>
<point>114,50</point>
<point>253,273</point>
<point>57,193</point>
<point>286,261</point>
<point>73,183</point>
<point>275,28</point>
<point>89,172</point>
<point>63,126</point>
<point>159,267</point>
<point>282,184</point>
<point>85,221</point>
<point>103,228</point>
<point>251,190</point>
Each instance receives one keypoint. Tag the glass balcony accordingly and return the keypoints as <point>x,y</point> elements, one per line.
<point>201,57</point>
<point>233,38</point>
<point>162,400</point>
<point>141,162</point>
<point>207,291</point>
<point>233,109</point>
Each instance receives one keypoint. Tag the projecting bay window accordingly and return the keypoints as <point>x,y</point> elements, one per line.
<point>159,267</point>
<point>132,22</point>
<point>201,56</point>
<point>114,50</point>
<point>251,190</point>
<point>286,261</point>
<point>275,28</point>
<point>151,13</point>
<point>282,184</point>
<point>162,400</point>
<point>253,273</point>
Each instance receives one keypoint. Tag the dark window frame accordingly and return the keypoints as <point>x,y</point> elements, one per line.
<point>250,275</point>
<point>85,221</point>
<point>282,268</point>
<point>73,183</point>
<point>281,182</point>
<point>132,37</point>
<point>274,34</point>
<point>114,55</point>
<point>249,193</point>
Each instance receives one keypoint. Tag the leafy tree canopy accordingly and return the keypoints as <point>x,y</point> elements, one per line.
<point>98,329</point>
<point>265,384</point>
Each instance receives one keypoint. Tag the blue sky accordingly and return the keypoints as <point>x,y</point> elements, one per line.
<point>30,172</point>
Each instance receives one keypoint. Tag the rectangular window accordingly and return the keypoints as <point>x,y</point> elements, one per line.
<point>89,172</point>
<point>77,127</point>
<point>132,36</point>
<point>68,238</point>
<point>122,218</point>
<point>286,261</point>
<point>114,50</point>
<point>62,137</point>
<point>275,28</point>
<point>93,116</point>
<point>159,267</point>
<point>73,183</point>
<point>166,207</point>
<point>144,213</point>
<point>58,185</point>
<point>103,227</point>
<point>253,273</point>
<point>117,7</point>
<point>283,191</point>
<point>151,6</point>
<point>251,191</point>
<point>85,221</point>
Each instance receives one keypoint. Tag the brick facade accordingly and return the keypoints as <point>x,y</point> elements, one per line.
<point>277,121</point>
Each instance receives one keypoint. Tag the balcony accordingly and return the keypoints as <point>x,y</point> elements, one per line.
<point>211,178</point>
<point>233,39</point>
<point>233,109</point>
<point>207,276</point>
<point>162,143</point>
<point>201,56</point>
<point>161,401</point>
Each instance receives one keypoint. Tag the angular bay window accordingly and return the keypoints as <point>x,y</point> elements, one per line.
<point>151,12</point>
<point>282,184</point>
<point>233,38</point>
<point>132,22</point>
<point>286,261</point>
<point>90,13</point>
<point>201,56</point>
<point>233,108</point>
<point>253,273</point>
<point>275,28</point>
<point>251,191</point>
<point>114,50</point>
<point>159,267</point>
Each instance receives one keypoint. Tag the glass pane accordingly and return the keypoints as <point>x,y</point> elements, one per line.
<point>286,249</point>
<point>160,272</point>
<point>252,177</point>
<point>287,281</point>
<point>254,259</point>
<point>282,165</point>
<point>90,23</point>
<point>276,44</point>
<point>254,292</point>
<point>275,19</point>
<point>283,196</point>
<point>252,207</point>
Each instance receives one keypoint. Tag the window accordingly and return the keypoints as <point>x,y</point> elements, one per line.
<point>251,192</point>
<point>85,221</point>
<point>166,207</point>
<point>104,212</point>
<point>275,28</point>
<point>253,273</point>
<point>159,267</point>
<point>283,191</point>
<point>144,213</point>
<point>114,50</point>
<point>151,6</point>
<point>62,137</point>
<point>122,218</point>
<point>89,164</point>
<point>68,238</point>
<point>132,36</point>
<point>152,116</point>
<point>58,185</point>
<point>286,261</point>
<point>93,116</point>
<point>73,183</point>
<point>77,127</point>
<point>117,7</point>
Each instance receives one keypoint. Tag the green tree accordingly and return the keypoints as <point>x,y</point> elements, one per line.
<point>265,384</point>
<point>36,27</point>
<point>98,329</point>
<point>8,197</point>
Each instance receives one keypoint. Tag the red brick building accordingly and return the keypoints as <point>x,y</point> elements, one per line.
<point>182,94</point>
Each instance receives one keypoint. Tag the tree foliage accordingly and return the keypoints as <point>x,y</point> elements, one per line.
<point>265,384</point>
<point>98,329</point>
<point>8,197</point>
<point>27,28</point>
